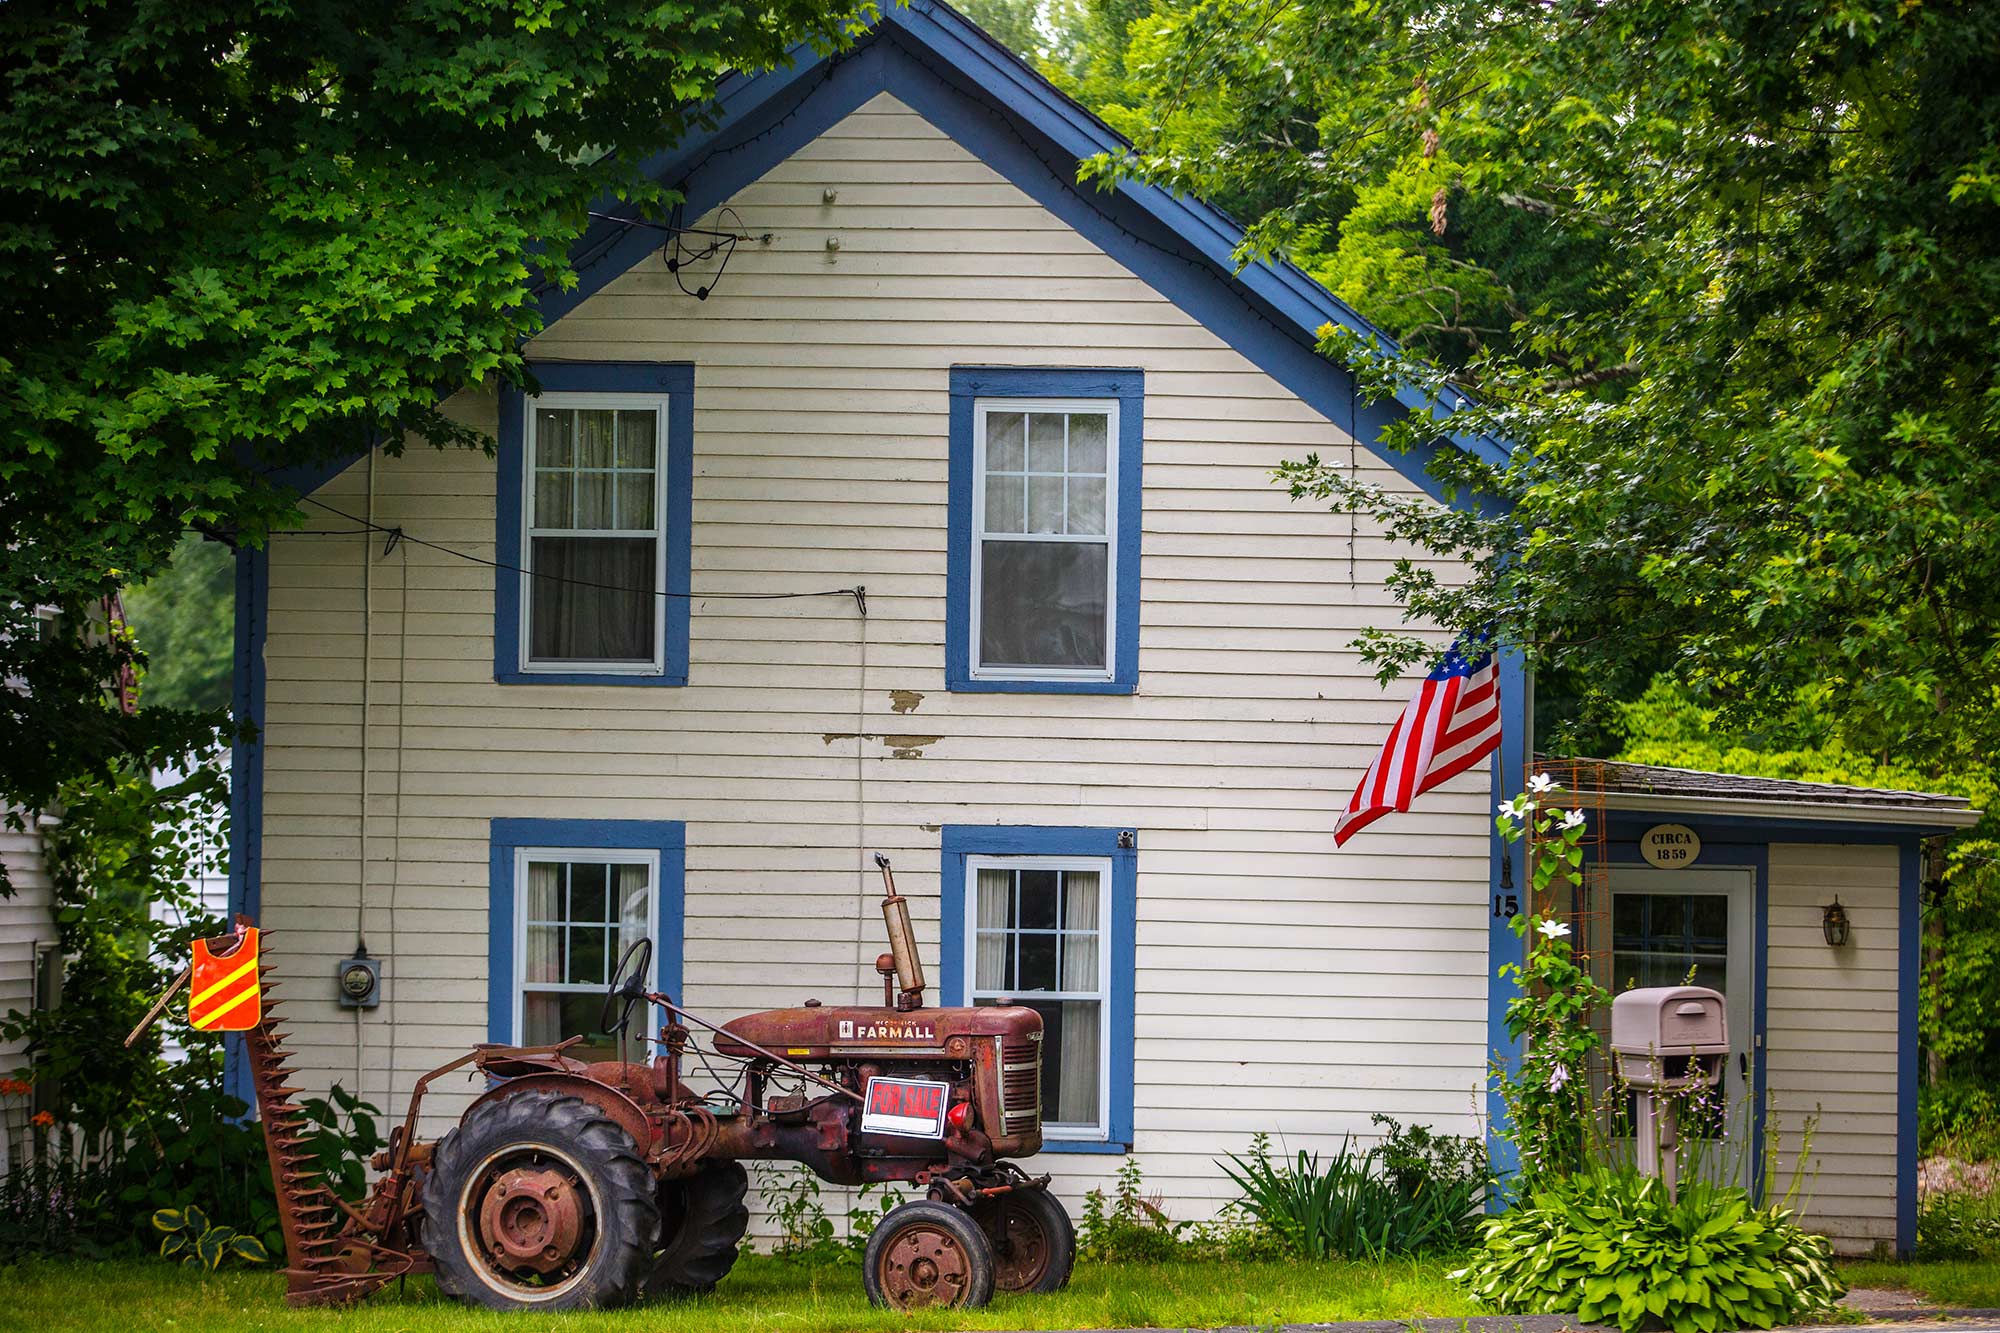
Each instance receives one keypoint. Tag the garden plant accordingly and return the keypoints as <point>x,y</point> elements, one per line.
<point>1589,1233</point>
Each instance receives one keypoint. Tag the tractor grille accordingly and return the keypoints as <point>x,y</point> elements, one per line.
<point>1021,1086</point>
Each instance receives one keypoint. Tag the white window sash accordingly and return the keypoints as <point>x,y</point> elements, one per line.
<point>981,408</point>
<point>1078,1133</point>
<point>658,405</point>
<point>573,856</point>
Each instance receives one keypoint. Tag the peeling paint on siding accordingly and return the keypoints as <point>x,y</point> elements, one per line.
<point>904,701</point>
<point>901,745</point>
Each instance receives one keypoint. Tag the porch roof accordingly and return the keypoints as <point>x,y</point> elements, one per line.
<point>1654,788</point>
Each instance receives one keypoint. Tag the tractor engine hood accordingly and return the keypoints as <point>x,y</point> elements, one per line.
<point>825,1032</point>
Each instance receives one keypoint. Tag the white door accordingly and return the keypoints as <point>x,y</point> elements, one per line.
<point>1666,924</point>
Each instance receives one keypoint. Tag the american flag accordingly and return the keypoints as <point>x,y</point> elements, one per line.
<point>1452,724</point>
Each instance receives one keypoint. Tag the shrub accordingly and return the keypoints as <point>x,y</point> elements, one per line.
<point>1609,1246</point>
<point>1959,1226</point>
<point>1128,1227</point>
<point>1959,1118</point>
<point>1415,1193</point>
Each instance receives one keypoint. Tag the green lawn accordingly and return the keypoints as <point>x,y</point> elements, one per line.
<point>1961,1285</point>
<point>762,1294</point>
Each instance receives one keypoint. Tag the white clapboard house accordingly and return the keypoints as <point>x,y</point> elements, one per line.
<point>1100,710</point>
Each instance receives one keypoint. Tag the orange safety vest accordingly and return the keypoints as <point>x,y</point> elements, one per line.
<point>223,995</point>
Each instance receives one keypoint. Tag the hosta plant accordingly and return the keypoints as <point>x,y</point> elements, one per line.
<point>1610,1247</point>
<point>193,1239</point>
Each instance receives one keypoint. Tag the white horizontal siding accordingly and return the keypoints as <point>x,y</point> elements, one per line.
<point>26,921</point>
<point>1831,1035</point>
<point>1281,986</point>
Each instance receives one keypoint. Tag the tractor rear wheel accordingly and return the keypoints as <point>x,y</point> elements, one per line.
<point>1034,1244</point>
<point>702,1221</point>
<point>926,1254</point>
<point>540,1201</point>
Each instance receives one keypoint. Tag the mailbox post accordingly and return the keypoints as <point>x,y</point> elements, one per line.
<point>1667,1040</point>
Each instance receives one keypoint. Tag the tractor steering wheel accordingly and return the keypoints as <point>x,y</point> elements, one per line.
<point>628,987</point>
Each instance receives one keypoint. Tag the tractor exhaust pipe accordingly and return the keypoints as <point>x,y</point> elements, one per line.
<point>908,967</point>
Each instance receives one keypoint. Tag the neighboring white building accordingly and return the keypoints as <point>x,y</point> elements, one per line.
<point>931,368</point>
<point>30,966</point>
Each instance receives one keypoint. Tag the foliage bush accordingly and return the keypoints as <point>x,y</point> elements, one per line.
<point>1958,1226</point>
<point>130,1133</point>
<point>1610,1247</point>
<point>1959,1118</point>
<point>193,1239</point>
<point>807,1233</point>
<point>1415,1193</point>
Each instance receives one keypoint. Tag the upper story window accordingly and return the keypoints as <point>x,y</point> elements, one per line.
<point>596,527</point>
<point>592,526</point>
<point>1042,586</point>
<point>1044,562</point>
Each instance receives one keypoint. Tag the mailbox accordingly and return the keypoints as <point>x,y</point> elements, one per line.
<point>1669,1037</point>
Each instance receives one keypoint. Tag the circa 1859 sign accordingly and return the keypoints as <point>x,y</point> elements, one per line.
<point>1670,846</point>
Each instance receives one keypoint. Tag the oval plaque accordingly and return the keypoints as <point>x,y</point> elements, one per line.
<point>1670,846</point>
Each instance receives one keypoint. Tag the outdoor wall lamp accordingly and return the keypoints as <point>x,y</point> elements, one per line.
<point>1834,923</point>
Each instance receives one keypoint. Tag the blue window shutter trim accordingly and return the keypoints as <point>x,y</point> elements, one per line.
<point>969,383</point>
<point>958,841</point>
<point>1506,764</point>
<point>675,379</point>
<point>505,837</point>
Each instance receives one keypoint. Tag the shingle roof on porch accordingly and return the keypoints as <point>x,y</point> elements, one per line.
<point>1650,787</point>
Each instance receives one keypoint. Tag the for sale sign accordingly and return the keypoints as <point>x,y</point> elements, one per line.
<point>907,1106</point>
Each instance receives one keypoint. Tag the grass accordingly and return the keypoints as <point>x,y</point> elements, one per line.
<point>762,1295</point>
<point>1965,1284</point>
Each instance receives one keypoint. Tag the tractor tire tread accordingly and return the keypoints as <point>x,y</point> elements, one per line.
<point>629,1226</point>
<point>703,1248</point>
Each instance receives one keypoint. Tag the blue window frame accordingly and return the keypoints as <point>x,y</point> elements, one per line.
<point>564,898</point>
<point>1042,577</point>
<point>1044,917</point>
<point>593,517</point>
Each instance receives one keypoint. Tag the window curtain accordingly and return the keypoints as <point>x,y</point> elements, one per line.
<point>1081,1018</point>
<point>572,620</point>
<point>543,958</point>
<point>995,889</point>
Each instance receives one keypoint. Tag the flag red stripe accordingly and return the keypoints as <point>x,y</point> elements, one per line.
<point>1451,724</point>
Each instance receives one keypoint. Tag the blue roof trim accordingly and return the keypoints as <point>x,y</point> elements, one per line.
<point>959,79</point>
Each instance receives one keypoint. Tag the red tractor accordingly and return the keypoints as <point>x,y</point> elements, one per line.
<point>569,1185</point>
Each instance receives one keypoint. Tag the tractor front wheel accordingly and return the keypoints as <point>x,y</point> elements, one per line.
<point>1034,1244</point>
<point>540,1202</point>
<point>928,1254</point>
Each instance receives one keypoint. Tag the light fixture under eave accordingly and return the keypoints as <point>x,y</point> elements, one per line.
<point>1834,923</point>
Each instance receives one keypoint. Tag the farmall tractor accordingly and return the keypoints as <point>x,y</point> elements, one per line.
<point>568,1185</point>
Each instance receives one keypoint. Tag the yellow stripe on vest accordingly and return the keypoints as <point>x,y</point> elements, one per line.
<point>223,984</point>
<point>210,1019</point>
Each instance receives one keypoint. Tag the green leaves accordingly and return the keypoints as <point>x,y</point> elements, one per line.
<point>237,242</point>
<point>1755,1268</point>
<point>193,1239</point>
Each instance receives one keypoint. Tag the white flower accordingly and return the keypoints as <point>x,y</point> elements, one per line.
<point>1506,807</point>
<point>1555,930</point>
<point>1558,1076</point>
<point>1540,783</point>
<point>1572,819</point>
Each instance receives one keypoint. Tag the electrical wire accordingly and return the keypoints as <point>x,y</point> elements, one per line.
<point>858,593</point>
